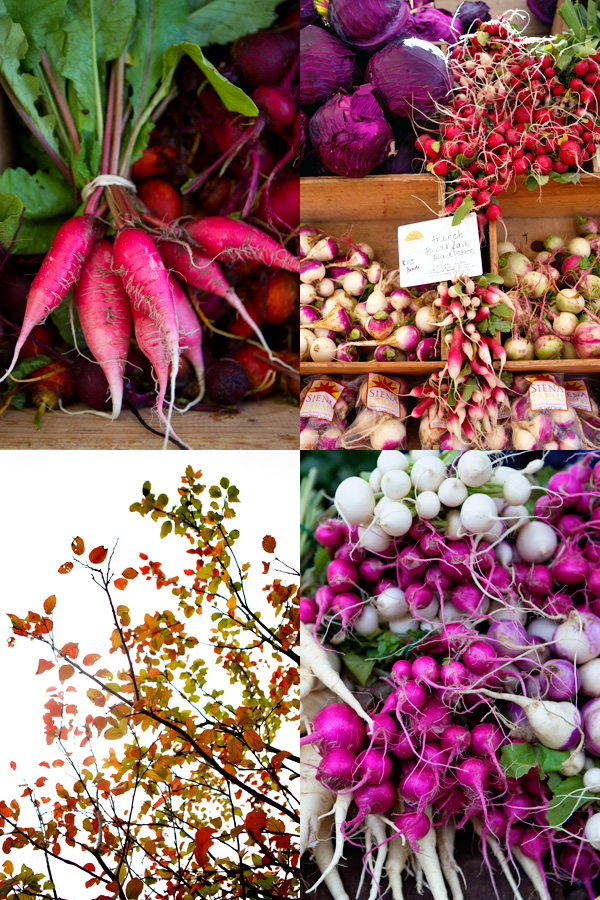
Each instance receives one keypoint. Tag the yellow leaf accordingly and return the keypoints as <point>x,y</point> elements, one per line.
<point>49,604</point>
<point>97,697</point>
<point>113,734</point>
<point>116,639</point>
<point>231,605</point>
<point>134,888</point>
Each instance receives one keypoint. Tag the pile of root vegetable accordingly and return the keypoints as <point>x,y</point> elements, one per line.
<point>517,110</point>
<point>148,278</point>
<point>451,673</point>
<point>555,293</point>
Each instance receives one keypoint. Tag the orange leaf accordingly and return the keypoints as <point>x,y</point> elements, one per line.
<point>253,739</point>
<point>98,555</point>
<point>41,782</point>
<point>255,821</point>
<point>49,604</point>
<point>121,583</point>
<point>266,567</point>
<point>130,574</point>
<point>77,546</point>
<point>90,659</point>
<point>71,650</point>
<point>277,760</point>
<point>203,841</point>
<point>65,568</point>
<point>13,766</point>
<point>65,672</point>
<point>235,750</point>
<point>44,665</point>
<point>269,544</point>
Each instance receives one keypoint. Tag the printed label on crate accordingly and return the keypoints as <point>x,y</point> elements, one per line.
<point>320,399</point>
<point>383,394</point>
<point>578,395</point>
<point>546,393</point>
<point>435,251</point>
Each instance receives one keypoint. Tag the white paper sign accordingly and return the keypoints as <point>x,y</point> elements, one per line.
<point>435,251</point>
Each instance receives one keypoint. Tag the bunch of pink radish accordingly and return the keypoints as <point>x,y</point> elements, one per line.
<point>140,279</point>
<point>352,304</point>
<point>517,110</point>
<point>463,405</point>
<point>486,716</point>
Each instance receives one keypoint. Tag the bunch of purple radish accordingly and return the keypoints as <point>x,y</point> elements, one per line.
<point>353,306</point>
<point>451,674</point>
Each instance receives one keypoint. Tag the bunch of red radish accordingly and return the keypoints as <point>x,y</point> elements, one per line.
<point>139,279</point>
<point>513,112</point>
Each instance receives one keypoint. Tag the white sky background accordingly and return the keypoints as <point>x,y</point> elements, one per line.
<point>50,497</point>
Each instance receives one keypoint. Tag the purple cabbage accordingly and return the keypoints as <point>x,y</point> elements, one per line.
<point>327,65</point>
<point>350,133</point>
<point>432,24</point>
<point>409,76</point>
<point>368,24</point>
<point>543,9</point>
<point>472,10</point>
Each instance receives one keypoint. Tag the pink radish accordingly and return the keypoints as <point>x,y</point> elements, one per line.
<point>190,333</point>
<point>146,281</point>
<point>105,316</point>
<point>57,275</point>
<point>205,275</point>
<point>233,241</point>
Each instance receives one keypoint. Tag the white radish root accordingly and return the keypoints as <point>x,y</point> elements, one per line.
<point>308,682</point>
<point>340,811</point>
<point>323,854</point>
<point>377,828</point>
<point>317,801</point>
<point>314,657</point>
<point>531,869</point>
<point>419,876</point>
<point>430,863</point>
<point>498,853</point>
<point>397,857</point>
<point>445,842</point>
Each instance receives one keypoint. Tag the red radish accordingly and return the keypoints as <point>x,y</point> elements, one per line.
<point>161,198</point>
<point>231,240</point>
<point>570,153</point>
<point>146,281</point>
<point>105,316</point>
<point>57,275</point>
<point>152,344</point>
<point>205,275</point>
<point>190,333</point>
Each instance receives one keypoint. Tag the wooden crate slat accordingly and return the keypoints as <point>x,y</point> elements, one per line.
<point>263,425</point>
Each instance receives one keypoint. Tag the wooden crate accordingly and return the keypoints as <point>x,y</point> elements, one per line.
<point>377,205</point>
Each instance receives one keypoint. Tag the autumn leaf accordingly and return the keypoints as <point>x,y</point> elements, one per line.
<point>120,583</point>
<point>255,821</point>
<point>269,544</point>
<point>90,659</point>
<point>77,546</point>
<point>98,555</point>
<point>65,568</point>
<point>134,888</point>
<point>202,841</point>
<point>71,650</point>
<point>130,574</point>
<point>43,666</point>
<point>253,739</point>
<point>235,750</point>
<point>49,604</point>
<point>66,672</point>
<point>97,697</point>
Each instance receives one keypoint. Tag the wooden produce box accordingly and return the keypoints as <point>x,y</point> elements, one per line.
<point>377,205</point>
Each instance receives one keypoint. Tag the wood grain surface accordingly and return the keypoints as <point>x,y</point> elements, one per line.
<point>264,425</point>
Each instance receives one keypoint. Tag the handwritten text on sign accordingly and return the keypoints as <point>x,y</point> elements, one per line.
<point>435,251</point>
